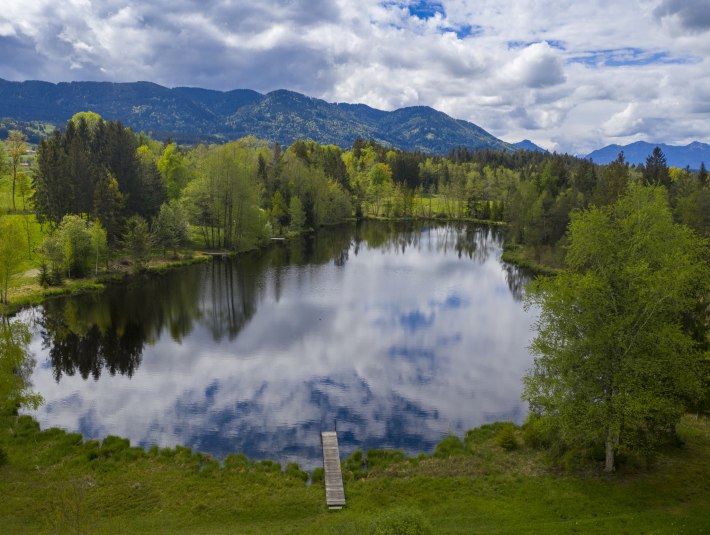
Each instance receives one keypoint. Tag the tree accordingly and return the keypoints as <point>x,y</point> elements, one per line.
<point>76,241</point>
<point>108,204</point>
<point>136,240</point>
<point>655,172</point>
<point>703,175</point>
<point>11,244</point>
<point>173,168</point>
<point>16,145</point>
<point>297,215</point>
<point>170,227</point>
<point>614,365</point>
<point>99,244</point>
<point>279,211</point>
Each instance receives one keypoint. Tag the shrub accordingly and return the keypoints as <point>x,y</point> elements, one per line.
<point>236,460</point>
<point>537,432</point>
<point>451,445</point>
<point>295,472</point>
<point>401,521</point>
<point>383,458</point>
<point>3,457</point>
<point>506,438</point>
<point>268,466</point>
<point>318,475</point>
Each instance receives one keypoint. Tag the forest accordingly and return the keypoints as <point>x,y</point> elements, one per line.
<point>100,192</point>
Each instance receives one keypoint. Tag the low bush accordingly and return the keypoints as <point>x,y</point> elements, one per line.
<point>505,438</point>
<point>450,445</point>
<point>401,521</point>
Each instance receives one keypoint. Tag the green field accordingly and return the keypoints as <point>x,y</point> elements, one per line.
<point>53,482</point>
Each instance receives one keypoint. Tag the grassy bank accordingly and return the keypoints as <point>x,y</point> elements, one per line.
<point>27,291</point>
<point>53,482</point>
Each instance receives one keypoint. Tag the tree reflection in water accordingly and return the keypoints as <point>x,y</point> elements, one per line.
<point>398,330</point>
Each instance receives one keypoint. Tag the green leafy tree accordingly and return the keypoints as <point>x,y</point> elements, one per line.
<point>99,245</point>
<point>279,211</point>
<point>75,236</point>
<point>297,214</point>
<point>174,169</point>
<point>136,240</point>
<point>16,145</point>
<point>11,243</point>
<point>614,365</point>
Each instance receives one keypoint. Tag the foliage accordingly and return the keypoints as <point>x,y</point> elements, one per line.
<point>76,241</point>
<point>505,438</point>
<point>296,214</point>
<point>170,228</point>
<point>401,521</point>
<point>10,260</point>
<point>450,445</point>
<point>93,168</point>
<point>614,365</point>
<point>16,144</point>
<point>136,240</point>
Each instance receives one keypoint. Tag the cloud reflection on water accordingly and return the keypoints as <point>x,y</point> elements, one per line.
<point>403,335</point>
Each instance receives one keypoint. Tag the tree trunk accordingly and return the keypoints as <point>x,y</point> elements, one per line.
<point>609,465</point>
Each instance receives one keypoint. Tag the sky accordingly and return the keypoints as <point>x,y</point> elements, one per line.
<point>570,75</point>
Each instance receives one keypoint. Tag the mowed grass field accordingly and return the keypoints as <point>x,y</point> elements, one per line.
<point>54,482</point>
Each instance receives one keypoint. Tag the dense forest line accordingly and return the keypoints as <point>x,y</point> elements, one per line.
<point>100,191</point>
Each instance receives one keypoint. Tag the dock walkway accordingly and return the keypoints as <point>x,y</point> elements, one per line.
<point>334,492</point>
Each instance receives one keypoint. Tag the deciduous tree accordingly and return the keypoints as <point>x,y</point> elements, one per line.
<point>16,145</point>
<point>614,365</point>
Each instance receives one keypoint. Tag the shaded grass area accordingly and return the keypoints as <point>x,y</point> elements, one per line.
<point>54,482</point>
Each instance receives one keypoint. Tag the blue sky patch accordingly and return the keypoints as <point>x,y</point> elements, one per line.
<point>554,43</point>
<point>628,57</point>
<point>425,10</point>
<point>466,30</point>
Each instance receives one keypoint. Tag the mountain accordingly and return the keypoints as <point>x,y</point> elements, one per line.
<point>526,144</point>
<point>676,156</point>
<point>189,115</point>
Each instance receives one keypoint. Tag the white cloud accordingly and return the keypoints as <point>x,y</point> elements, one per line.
<point>550,70</point>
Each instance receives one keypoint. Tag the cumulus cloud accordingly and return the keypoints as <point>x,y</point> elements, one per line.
<point>535,66</point>
<point>554,71</point>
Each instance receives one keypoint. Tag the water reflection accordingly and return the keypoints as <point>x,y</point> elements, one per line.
<point>402,333</point>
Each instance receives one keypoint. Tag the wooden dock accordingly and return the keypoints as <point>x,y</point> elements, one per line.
<point>334,492</point>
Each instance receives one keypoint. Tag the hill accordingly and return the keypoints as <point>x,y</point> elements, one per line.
<point>526,144</point>
<point>676,156</point>
<point>189,115</point>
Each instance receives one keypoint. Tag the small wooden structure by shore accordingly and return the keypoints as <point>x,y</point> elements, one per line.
<point>334,492</point>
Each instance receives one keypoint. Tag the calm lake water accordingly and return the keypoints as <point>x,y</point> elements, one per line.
<point>401,333</point>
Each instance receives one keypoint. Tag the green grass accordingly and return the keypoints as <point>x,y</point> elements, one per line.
<point>54,482</point>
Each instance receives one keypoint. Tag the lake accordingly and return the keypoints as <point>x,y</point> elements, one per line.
<point>398,334</point>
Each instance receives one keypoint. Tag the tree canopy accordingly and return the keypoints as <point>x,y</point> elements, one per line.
<point>615,364</point>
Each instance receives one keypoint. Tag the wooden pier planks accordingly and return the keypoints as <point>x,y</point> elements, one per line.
<point>334,492</point>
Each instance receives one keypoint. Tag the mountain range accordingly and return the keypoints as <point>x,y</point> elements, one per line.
<point>190,115</point>
<point>636,153</point>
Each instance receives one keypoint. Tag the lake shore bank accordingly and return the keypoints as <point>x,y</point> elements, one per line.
<point>57,482</point>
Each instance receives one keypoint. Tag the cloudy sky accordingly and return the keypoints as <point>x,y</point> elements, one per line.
<point>570,75</point>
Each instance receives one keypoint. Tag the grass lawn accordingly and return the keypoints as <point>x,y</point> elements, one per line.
<point>54,482</point>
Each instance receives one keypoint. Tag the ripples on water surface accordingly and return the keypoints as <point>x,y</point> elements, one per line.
<point>402,333</point>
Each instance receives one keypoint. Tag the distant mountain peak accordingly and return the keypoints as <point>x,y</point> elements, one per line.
<point>526,144</point>
<point>690,155</point>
